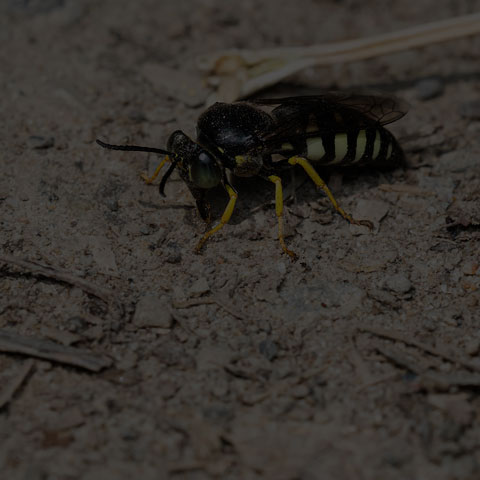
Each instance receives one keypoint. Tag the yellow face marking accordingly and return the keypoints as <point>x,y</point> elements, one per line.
<point>221,149</point>
<point>377,143</point>
<point>240,159</point>
<point>315,149</point>
<point>361,145</point>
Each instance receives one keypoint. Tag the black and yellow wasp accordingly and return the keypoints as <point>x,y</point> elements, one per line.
<point>266,136</point>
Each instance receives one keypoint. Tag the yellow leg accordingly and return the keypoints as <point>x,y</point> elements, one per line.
<point>148,179</point>
<point>225,217</point>
<point>306,165</point>
<point>279,211</point>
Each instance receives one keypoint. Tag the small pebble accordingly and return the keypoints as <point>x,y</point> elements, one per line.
<point>137,116</point>
<point>472,346</point>
<point>382,296</point>
<point>470,268</point>
<point>112,205</point>
<point>281,268</point>
<point>470,110</point>
<point>40,143</point>
<point>300,391</point>
<point>76,324</point>
<point>152,311</point>
<point>398,283</point>
<point>199,287</point>
<point>268,348</point>
<point>147,229</point>
<point>429,88</point>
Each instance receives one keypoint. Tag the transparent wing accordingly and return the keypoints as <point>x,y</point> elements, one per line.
<point>308,116</point>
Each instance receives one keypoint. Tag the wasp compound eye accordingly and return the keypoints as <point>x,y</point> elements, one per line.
<point>204,171</point>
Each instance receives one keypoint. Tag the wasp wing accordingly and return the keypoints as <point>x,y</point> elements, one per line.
<point>314,115</point>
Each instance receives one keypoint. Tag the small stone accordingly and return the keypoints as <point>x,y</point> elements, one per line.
<point>174,258</point>
<point>281,268</point>
<point>199,287</point>
<point>37,142</point>
<point>456,161</point>
<point>398,283</point>
<point>371,210</point>
<point>103,255</point>
<point>470,268</point>
<point>173,253</point>
<point>137,116</point>
<point>152,311</point>
<point>429,88</point>
<point>382,296</point>
<point>93,333</point>
<point>300,391</point>
<point>147,229</point>
<point>76,324</point>
<point>268,348</point>
<point>470,110</point>
<point>472,346</point>
<point>112,205</point>
<point>127,361</point>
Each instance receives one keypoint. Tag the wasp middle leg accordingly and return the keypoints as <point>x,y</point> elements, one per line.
<point>311,172</point>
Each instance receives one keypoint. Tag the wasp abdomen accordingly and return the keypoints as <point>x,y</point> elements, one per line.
<point>359,147</point>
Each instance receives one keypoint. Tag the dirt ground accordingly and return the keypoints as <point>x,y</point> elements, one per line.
<point>126,355</point>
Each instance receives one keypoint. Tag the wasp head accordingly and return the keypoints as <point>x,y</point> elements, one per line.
<point>197,167</point>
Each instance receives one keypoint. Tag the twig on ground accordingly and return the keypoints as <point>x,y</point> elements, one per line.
<point>436,351</point>
<point>427,376</point>
<point>63,276</point>
<point>239,73</point>
<point>11,389</point>
<point>357,362</point>
<point>48,350</point>
<point>207,301</point>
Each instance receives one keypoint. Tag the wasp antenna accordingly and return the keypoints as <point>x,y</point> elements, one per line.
<point>163,181</point>
<point>133,148</point>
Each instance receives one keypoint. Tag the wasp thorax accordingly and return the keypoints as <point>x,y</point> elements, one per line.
<point>204,171</point>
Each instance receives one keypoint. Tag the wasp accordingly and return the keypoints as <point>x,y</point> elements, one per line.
<point>264,137</point>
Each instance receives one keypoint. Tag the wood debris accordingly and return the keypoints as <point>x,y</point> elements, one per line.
<point>239,73</point>
<point>39,270</point>
<point>9,390</point>
<point>48,350</point>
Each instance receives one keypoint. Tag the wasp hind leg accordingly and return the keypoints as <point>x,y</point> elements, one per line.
<point>279,211</point>
<point>149,180</point>
<point>311,172</point>
<point>225,217</point>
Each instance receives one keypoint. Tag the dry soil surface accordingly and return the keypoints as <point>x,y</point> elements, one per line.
<point>126,355</point>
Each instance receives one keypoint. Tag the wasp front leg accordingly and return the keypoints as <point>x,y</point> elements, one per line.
<point>149,180</point>
<point>225,217</point>
<point>311,172</point>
